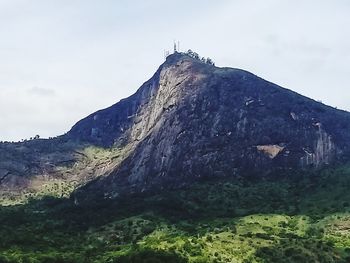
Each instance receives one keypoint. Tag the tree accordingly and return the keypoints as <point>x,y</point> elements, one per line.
<point>210,62</point>
<point>190,53</point>
<point>195,55</point>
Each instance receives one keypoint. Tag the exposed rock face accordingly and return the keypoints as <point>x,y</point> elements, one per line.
<point>190,120</point>
<point>270,150</point>
<point>193,120</point>
<point>324,151</point>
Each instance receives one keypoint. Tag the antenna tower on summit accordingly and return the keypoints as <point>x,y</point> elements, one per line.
<point>166,54</point>
<point>176,46</point>
<point>176,49</point>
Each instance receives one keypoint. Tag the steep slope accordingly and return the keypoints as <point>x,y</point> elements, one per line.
<point>192,120</point>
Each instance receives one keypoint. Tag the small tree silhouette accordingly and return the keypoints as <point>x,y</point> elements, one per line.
<point>210,62</point>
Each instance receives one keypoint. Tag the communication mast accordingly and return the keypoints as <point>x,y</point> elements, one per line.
<point>176,49</point>
<point>176,46</point>
<point>166,54</point>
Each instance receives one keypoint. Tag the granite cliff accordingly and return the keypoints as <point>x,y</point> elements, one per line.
<point>190,121</point>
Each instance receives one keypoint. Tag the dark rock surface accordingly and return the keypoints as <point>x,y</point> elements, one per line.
<point>190,121</point>
<point>193,120</point>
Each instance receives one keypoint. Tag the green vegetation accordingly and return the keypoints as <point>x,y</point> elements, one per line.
<point>195,55</point>
<point>297,217</point>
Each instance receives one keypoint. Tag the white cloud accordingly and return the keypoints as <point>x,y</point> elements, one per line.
<point>79,56</point>
<point>41,91</point>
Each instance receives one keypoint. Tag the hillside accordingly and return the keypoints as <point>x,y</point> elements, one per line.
<point>296,218</point>
<point>189,121</point>
<point>192,121</point>
<point>201,164</point>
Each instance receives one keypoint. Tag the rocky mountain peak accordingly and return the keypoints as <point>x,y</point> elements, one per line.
<point>193,120</point>
<point>189,121</point>
<point>158,94</point>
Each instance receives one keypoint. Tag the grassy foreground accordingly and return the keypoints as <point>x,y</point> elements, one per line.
<point>300,217</point>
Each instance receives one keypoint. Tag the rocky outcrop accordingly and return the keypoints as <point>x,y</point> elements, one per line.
<point>270,150</point>
<point>324,150</point>
<point>192,120</point>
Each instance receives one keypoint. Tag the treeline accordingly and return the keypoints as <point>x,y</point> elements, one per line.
<point>195,55</point>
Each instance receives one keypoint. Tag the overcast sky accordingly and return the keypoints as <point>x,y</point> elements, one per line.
<point>61,60</point>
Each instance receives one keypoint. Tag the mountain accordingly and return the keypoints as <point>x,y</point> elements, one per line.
<point>190,121</point>
<point>201,164</point>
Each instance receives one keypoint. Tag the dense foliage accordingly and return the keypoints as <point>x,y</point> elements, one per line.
<point>195,55</point>
<point>296,217</point>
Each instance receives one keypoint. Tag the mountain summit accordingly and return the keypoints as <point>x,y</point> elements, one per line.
<point>190,121</point>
